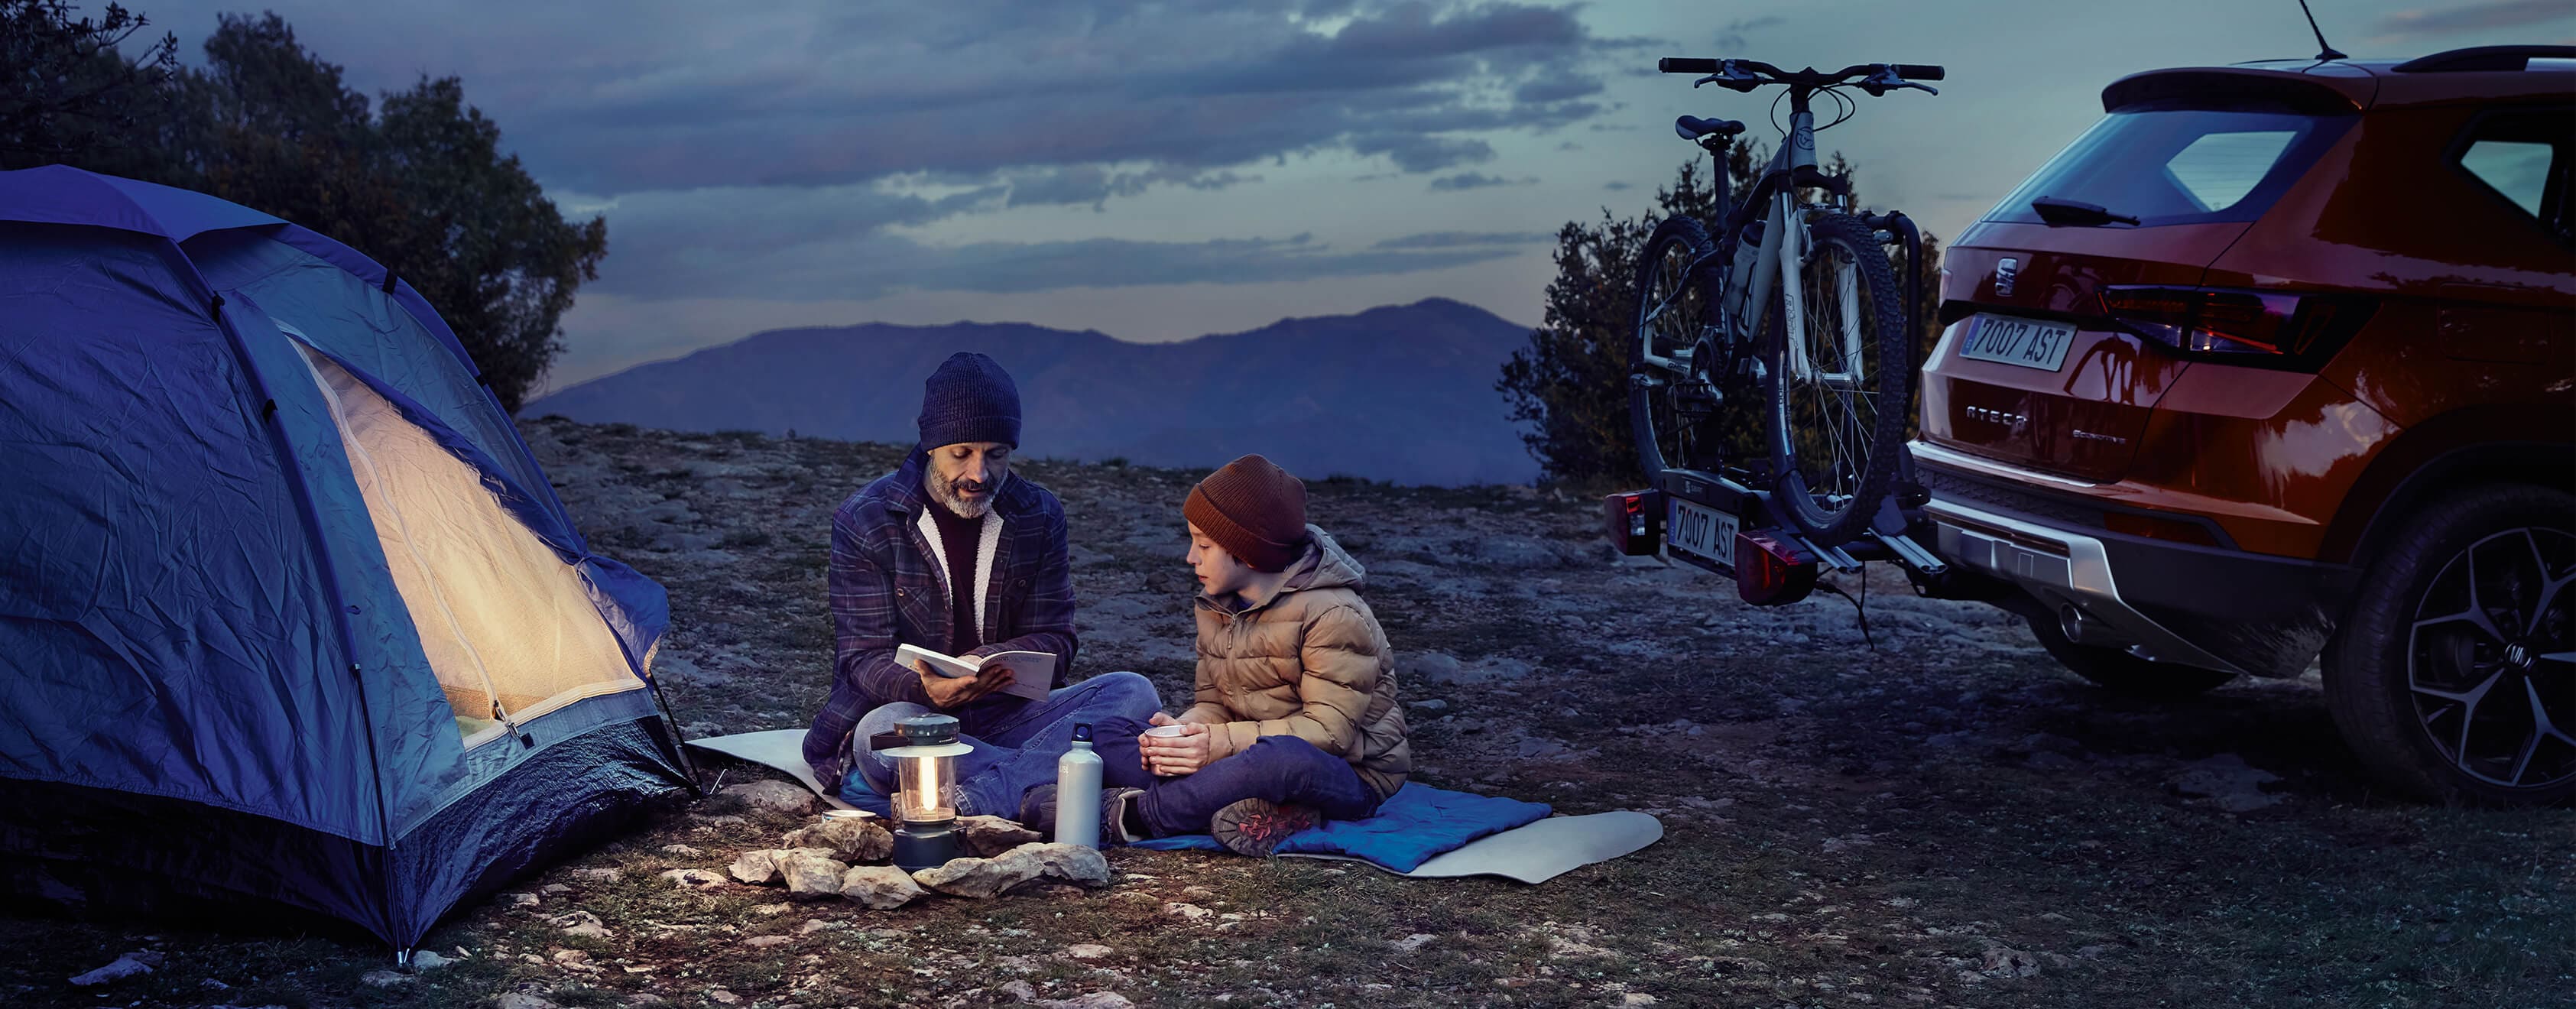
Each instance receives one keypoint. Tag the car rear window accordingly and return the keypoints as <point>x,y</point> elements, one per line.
<point>2180,166</point>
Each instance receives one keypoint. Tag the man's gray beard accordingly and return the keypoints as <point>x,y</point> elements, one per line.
<point>946,494</point>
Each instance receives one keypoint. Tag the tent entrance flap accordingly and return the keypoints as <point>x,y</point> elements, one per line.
<point>508,627</point>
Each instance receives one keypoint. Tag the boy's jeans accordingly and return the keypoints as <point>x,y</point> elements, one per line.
<point>1016,741</point>
<point>1283,769</point>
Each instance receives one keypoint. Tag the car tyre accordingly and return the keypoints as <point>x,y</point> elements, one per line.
<point>2116,671</point>
<point>2428,697</point>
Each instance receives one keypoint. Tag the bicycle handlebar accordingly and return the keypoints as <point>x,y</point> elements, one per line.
<point>1767,74</point>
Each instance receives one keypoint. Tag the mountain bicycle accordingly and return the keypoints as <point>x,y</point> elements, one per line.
<point>1792,300</point>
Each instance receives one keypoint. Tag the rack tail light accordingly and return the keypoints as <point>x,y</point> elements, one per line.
<point>1771,572</point>
<point>1635,521</point>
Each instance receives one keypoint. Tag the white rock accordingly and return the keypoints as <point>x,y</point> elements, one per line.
<point>581,923</point>
<point>982,877</point>
<point>138,962</point>
<point>1072,863</point>
<point>1087,951</point>
<point>428,959</point>
<point>848,838</point>
<point>1192,912</point>
<point>384,978</point>
<point>522,1000</point>
<point>1089,1000</point>
<point>598,875</point>
<point>811,874</point>
<point>692,879</point>
<point>879,887</point>
<point>519,899</point>
<point>758,868</point>
<point>772,795</point>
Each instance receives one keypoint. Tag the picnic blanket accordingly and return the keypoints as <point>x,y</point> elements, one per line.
<point>1420,831</point>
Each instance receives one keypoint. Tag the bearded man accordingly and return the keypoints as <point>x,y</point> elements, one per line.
<point>953,553</point>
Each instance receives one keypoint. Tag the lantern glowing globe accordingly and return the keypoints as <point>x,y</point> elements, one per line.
<point>925,799</point>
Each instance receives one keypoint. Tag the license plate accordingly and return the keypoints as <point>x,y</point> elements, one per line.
<point>1703,532</point>
<point>2029,343</point>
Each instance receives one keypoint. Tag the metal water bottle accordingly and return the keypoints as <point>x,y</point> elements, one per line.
<point>1077,792</point>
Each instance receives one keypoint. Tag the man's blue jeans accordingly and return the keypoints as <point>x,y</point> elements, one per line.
<point>1016,741</point>
<point>1283,769</point>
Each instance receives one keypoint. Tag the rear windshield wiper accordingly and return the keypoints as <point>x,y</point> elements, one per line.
<point>2056,211</point>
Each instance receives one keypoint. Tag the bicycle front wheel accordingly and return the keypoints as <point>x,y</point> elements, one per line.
<point>1839,383</point>
<point>1668,388</point>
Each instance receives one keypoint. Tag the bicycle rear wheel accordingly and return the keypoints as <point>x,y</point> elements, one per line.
<point>1669,395</point>
<point>1839,383</point>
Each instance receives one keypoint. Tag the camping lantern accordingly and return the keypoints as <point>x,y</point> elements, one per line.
<point>925,798</point>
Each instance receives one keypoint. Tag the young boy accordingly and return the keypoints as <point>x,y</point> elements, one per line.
<point>1296,717</point>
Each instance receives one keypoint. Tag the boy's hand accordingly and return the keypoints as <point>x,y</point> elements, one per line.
<point>950,692</point>
<point>1172,756</point>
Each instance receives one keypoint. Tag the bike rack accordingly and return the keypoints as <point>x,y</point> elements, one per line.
<point>1890,536</point>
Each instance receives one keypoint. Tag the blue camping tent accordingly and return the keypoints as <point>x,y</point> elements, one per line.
<point>288,613</point>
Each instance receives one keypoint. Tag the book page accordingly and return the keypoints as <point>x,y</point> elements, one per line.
<point>1032,673</point>
<point>945,665</point>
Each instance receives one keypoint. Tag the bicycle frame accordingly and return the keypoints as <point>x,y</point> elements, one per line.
<point>1750,281</point>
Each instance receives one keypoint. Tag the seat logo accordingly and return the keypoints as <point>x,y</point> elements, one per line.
<point>2005,270</point>
<point>2084,435</point>
<point>2010,420</point>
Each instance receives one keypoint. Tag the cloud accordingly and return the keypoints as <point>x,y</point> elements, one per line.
<point>2471,17</point>
<point>1457,239</point>
<point>664,253</point>
<point>1731,41</point>
<point>1474,180</point>
<point>1095,184</point>
<point>675,95</point>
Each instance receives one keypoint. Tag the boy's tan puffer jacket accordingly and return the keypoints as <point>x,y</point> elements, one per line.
<point>1310,662</point>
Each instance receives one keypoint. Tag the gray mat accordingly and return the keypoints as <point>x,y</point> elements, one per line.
<point>783,749</point>
<point>1532,853</point>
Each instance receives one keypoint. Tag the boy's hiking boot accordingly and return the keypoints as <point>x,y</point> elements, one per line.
<point>1118,814</point>
<point>1256,826</point>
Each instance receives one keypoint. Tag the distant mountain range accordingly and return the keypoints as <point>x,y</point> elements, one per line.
<point>1402,393</point>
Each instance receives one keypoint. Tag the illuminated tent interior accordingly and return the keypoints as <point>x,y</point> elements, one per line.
<point>288,614</point>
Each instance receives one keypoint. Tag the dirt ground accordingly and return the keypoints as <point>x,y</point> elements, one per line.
<point>1933,815</point>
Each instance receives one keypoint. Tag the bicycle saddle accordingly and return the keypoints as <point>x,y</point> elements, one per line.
<point>1694,127</point>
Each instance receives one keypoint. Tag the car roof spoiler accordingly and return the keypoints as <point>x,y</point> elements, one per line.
<point>2235,88</point>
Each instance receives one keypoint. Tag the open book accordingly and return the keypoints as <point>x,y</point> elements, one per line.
<point>1032,673</point>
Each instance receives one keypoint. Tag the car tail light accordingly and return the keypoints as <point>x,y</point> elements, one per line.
<point>2263,328</point>
<point>1635,520</point>
<point>1769,572</point>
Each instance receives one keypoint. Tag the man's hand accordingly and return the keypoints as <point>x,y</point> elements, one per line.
<point>1172,756</point>
<point>954,691</point>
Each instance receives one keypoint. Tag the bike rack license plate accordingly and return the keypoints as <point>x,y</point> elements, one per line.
<point>1703,532</point>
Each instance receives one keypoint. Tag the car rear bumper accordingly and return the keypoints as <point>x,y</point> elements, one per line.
<point>2211,607</point>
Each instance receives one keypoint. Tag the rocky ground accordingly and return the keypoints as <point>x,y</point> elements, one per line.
<point>1934,815</point>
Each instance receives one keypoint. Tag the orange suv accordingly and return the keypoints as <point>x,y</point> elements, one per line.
<point>2278,361</point>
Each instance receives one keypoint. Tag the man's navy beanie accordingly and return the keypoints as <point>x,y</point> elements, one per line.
<point>970,398</point>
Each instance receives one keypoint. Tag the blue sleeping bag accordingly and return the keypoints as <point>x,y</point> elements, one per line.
<point>1411,827</point>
